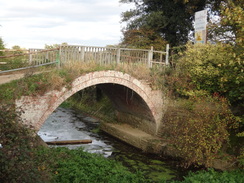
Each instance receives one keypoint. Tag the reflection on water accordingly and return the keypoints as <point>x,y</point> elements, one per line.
<point>67,124</point>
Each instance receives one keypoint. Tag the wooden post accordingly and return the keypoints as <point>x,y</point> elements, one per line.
<point>167,55</point>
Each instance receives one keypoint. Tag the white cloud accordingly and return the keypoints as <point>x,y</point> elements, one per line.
<point>34,23</point>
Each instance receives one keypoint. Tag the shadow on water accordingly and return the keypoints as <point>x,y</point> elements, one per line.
<point>67,124</point>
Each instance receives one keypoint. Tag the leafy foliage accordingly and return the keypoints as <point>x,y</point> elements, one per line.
<point>213,177</point>
<point>233,16</point>
<point>1,46</point>
<point>79,166</point>
<point>17,157</point>
<point>203,71</point>
<point>211,69</point>
<point>171,19</point>
<point>230,26</point>
<point>197,129</point>
<point>142,39</point>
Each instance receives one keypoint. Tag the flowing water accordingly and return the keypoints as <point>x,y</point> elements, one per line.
<point>67,124</point>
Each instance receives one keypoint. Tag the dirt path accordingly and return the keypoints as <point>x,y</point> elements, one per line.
<point>6,78</point>
<point>10,77</point>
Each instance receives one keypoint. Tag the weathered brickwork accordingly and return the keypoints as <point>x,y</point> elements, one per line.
<point>38,108</point>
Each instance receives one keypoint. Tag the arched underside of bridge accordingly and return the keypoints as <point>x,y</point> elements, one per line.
<point>135,102</point>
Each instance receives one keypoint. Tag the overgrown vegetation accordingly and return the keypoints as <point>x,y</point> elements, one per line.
<point>209,69</point>
<point>199,125</point>
<point>203,84</point>
<point>198,128</point>
<point>17,158</point>
<point>22,158</point>
<point>213,177</point>
<point>79,166</point>
<point>206,82</point>
<point>18,61</point>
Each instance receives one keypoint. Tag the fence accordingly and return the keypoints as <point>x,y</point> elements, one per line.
<point>66,53</point>
<point>108,55</point>
<point>15,60</point>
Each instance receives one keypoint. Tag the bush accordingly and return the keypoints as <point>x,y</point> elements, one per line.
<point>197,129</point>
<point>17,156</point>
<point>213,69</point>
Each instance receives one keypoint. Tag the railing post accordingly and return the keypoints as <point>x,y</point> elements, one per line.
<point>150,57</point>
<point>59,56</point>
<point>118,56</point>
<point>167,55</point>
<point>47,57</point>
<point>30,57</point>
<point>83,53</point>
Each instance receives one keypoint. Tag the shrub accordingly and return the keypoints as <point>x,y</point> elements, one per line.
<point>17,156</point>
<point>211,68</point>
<point>197,129</point>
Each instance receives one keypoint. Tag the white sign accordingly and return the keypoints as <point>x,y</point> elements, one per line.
<point>200,20</point>
<point>200,26</point>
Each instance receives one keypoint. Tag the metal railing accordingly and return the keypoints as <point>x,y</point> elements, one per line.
<point>109,55</point>
<point>15,60</point>
<point>66,53</point>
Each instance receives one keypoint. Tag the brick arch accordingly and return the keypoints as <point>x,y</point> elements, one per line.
<point>53,99</point>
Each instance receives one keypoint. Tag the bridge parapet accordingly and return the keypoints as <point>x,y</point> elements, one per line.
<point>69,53</point>
<point>112,55</point>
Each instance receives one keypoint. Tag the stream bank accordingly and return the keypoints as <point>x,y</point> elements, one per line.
<point>67,124</point>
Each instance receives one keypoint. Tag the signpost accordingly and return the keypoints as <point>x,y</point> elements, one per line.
<point>201,27</point>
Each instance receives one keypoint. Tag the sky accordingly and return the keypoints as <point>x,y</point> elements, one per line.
<point>34,23</point>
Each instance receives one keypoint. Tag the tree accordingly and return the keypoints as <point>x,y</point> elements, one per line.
<point>229,27</point>
<point>55,45</point>
<point>1,46</point>
<point>142,38</point>
<point>171,19</point>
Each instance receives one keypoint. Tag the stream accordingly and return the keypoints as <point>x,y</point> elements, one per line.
<point>68,124</point>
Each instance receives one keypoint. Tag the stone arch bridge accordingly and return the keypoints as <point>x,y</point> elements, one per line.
<point>135,102</point>
<point>139,108</point>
